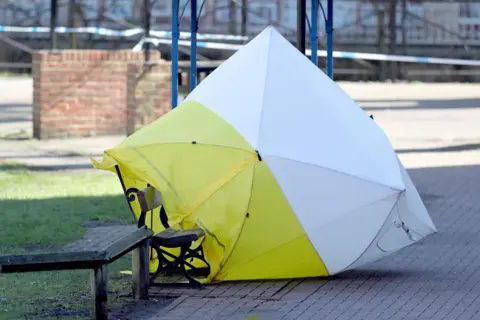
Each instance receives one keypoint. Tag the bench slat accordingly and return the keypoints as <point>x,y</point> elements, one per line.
<point>49,261</point>
<point>100,245</point>
<point>127,242</point>
<point>169,237</point>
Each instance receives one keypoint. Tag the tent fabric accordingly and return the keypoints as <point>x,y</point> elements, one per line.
<point>286,175</point>
<point>274,97</point>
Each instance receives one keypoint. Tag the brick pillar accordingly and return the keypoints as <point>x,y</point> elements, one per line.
<point>81,92</point>
<point>148,93</point>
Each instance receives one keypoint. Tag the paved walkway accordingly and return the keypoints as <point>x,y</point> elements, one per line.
<point>435,130</point>
<point>16,145</point>
<point>427,124</point>
<point>438,278</point>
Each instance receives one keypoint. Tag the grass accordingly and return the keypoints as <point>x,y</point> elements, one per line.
<point>15,135</point>
<point>41,211</point>
<point>10,74</point>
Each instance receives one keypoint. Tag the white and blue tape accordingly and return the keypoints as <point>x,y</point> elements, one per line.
<point>397,58</point>
<point>323,53</point>
<point>232,47</point>
<point>120,33</point>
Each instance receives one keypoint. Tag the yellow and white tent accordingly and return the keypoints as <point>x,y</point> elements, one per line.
<point>286,175</point>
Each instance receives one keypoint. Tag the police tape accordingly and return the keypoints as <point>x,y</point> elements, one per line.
<point>323,53</point>
<point>120,33</point>
<point>396,58</point>
<point>184,43</point>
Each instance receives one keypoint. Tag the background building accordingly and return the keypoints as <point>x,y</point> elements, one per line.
<point>425,28</point>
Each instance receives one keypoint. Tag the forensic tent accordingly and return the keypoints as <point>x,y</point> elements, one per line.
<point>284,172</point>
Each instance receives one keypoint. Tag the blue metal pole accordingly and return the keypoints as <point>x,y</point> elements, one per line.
<point>174,54</point>
<point>313,32</point>
<point>330,38</point>
<point>193,44</point>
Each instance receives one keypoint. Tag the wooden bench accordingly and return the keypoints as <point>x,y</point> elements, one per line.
<point>99,247</point>
<point>169,264</point>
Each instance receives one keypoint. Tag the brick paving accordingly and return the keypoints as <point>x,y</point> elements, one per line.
<point>438,278</point>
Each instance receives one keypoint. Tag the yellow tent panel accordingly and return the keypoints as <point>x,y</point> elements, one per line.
<point>210,177</point>
<point>272,243</point>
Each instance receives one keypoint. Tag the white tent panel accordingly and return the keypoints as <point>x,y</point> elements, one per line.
<point>344,240</point>
<point>388,240</point>
<point>393,236</point>
<point>235,89</point>
<point>413,210</point>
<point>341,214</point>
<point>308,117</point>
<point>284,105</point>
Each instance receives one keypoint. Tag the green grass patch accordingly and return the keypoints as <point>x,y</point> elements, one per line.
<point>15,74</point>
<point>43,211</point>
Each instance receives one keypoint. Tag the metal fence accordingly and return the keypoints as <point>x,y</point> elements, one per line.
<point>426,28</point>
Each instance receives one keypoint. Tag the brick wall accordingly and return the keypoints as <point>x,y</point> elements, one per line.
<point>85,92</point>
<point>148,93</point>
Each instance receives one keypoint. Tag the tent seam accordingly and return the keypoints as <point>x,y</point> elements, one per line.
<point>337,171</point>
<point>296,217</point>
<point>248,204</point>
<point>378,233</point>
<point>221,184</point>
<point>349,212</point>
<point>280,246</point>
<point>183,142</point>
<point>264,89</point>
<point>360,207</point>
<point>158,172</point>
<point>243,224</point>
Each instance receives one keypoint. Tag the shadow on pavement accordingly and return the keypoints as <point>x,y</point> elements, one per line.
<point>455,148</point>
<point>388,104</point>
<point>368,274</point>
<point>48,155</point>
<point>15,120</point>
<point>10,107</point>
<point>39,168</point>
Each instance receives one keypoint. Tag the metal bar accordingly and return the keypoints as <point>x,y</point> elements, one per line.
<point>301,18</point>
<point>53,24</point>
<point>330,38</point>
<point>193,44</point>
<point>392,32</point>
<point>117,169</point>
<point>175,36</point>
<point>244,17</point>
<point>15,65</point>
<point>313,31</point>
<point>15,44</point>
<point>146,14</point>
<point>232,24</point>
<point>71,24</point>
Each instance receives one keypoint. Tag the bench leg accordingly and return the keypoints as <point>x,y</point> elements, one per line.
<point>140,280</point>
<point>99,293</point>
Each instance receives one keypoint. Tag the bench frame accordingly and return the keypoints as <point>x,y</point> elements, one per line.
<point>135,240</point>
<point>149,199</point>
